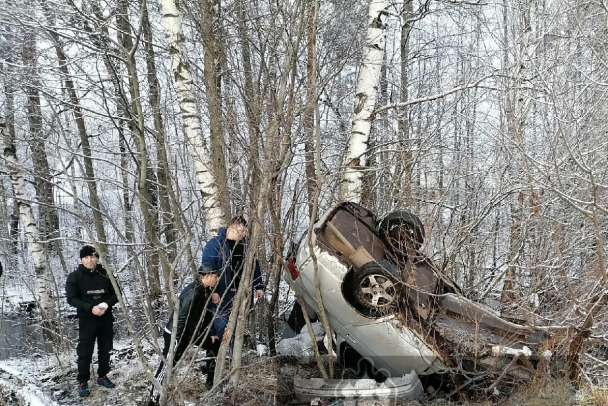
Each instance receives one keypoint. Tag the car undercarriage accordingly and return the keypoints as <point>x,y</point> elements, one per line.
<point>399,311</point>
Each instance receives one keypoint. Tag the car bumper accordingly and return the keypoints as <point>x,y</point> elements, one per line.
<point>405,387</point>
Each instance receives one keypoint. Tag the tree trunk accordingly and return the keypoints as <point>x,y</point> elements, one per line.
<point>148,199</point>
<point>242,300</point>
<point>273,279</point>
<point>252,99</point>
<point>191,122</point>
<point>212,55</point>
<point>49,220</point>
<point>170,223</point>
<point>12,215</point>
<point>403,170</point>
<point>517,110</point>
<point>311,107</point>
<point>44,278</point>
<point>365,100</point>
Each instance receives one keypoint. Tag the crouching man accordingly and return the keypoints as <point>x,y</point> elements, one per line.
<point>194,325</point>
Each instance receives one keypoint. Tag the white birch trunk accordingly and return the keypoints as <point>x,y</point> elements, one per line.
<point>186,98</point>
<point>44,287</point>
<point>365,100</point>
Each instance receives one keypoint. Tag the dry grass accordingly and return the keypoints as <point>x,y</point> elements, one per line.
<point>543,392</point>
<point>268,381</point>
<point>593,397</point>
<point>259,385</point>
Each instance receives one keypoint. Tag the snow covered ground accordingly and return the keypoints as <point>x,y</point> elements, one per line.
<point>51,380</point>
<point>19,387</point>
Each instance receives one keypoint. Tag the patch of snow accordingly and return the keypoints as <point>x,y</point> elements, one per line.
<point>14,381</point>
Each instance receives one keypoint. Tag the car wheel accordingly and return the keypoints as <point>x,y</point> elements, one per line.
<point>376,287</point>
<point>400,229</point>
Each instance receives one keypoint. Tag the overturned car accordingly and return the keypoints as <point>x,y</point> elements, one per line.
<point>391,305</point>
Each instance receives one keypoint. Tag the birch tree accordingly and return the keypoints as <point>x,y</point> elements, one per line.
<point>191,121</point>
<point>366,92</point>
<point>212,33</point>
<point>8,86</point>
<point>49,220</point>
<point>44,278</point>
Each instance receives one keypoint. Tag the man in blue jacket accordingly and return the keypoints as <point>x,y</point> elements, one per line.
<point>90,291</point>
<point>227,252</point>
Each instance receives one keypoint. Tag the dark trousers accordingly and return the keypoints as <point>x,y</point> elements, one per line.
<point>180,348</point>
<point>91,329</point>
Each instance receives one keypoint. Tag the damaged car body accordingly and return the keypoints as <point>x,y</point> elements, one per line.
<point>394,307</point>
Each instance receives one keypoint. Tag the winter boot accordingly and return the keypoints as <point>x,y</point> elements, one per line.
<point>105,382</point>
<point>83,389</point>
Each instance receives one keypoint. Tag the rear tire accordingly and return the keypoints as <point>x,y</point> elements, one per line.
<point>400,229</point>
<point>377,287</point>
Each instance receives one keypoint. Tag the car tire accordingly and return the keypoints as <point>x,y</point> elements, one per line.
<point>376,287</point>
<point>398,222</point>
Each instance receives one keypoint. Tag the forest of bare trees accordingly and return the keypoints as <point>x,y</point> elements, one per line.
<point>142,126</point>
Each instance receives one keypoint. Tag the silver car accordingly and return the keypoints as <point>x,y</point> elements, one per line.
<point>394,307</point>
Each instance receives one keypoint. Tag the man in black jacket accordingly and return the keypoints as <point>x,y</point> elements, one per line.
<point>194,326</point>
<point>90,291</point>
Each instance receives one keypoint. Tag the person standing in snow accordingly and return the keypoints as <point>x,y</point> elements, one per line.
<point>194,326</point>
<point>227,252</point>
<point>90,291</point>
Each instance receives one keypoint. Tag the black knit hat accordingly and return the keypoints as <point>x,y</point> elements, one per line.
<point>206,269</point>
<point>87,250</point>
